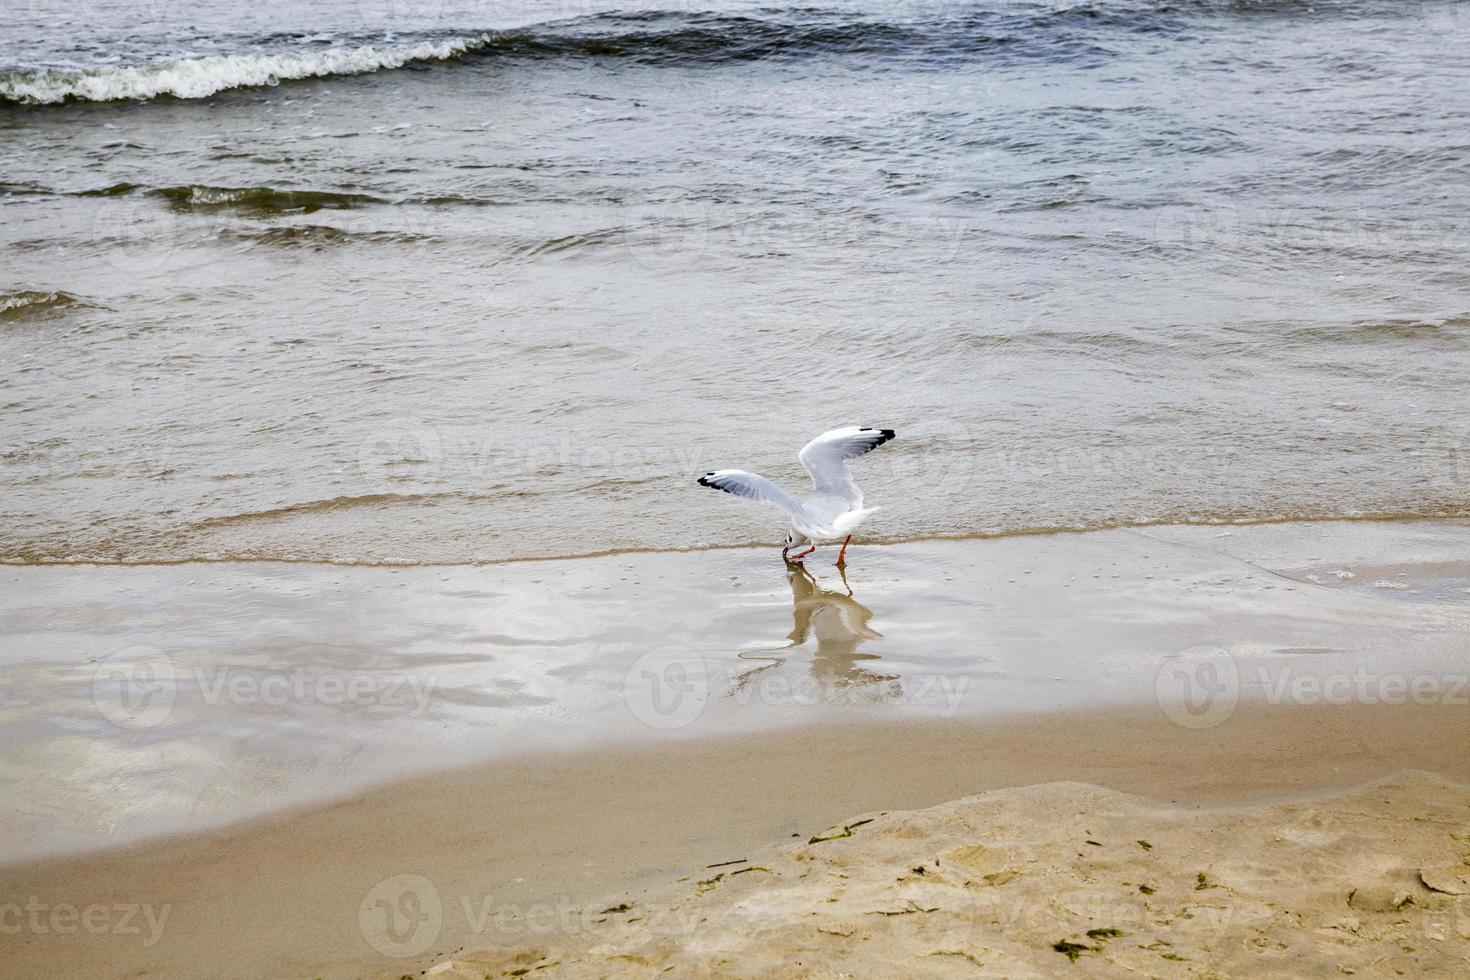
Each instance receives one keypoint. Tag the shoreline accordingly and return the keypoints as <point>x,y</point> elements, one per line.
<point>365,612</point>
<point>594,826</point>
<point>184,698</point>
<point>280,746</point>
<point>1450,519</point>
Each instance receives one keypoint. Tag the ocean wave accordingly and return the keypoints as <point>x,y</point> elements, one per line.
<point>198,78</point>
<point>24,304</point>
<point>658,37</point>
<point>204,197</point>
<point>316,236</point>
<point>369,500</point>
<point>1055,32</point>
<point>194,197</point>
<point>311,553</point>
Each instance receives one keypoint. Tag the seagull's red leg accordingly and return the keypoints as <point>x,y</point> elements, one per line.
<point>842,555</point>
<point>806,552</point>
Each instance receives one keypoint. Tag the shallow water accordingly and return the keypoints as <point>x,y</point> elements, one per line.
<point>145,700</point>
<point>1097,264</point>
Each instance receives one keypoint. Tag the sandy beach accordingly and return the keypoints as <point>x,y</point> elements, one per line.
<point>567,836</point>
<point>397,880</point>
<point>732,709</point>
<point>406,405</point>
<point>1019,883</point>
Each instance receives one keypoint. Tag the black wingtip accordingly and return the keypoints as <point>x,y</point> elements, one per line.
<point>704,480</point>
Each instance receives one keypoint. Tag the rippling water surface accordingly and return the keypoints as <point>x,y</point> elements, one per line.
<point>332,281</point>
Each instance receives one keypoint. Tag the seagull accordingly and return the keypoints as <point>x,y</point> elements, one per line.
<point>835,507</point>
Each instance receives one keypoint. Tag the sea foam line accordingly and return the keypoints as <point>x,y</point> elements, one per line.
<point>197,78</point>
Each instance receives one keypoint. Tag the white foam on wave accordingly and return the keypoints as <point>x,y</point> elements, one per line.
<point>197,78</point>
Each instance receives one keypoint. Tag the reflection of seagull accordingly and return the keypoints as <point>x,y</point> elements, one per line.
<point>835,508</point>
<point>840,624</point>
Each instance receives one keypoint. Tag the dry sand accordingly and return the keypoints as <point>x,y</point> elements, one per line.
<point>1019,882</point>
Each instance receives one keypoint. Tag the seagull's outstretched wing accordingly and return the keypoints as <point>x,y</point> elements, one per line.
<point>751,486</point>
<point>826,456</point>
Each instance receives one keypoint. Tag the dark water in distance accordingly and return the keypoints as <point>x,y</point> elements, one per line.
<point>480,281</point>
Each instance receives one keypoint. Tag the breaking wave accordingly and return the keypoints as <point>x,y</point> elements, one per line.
<point>1057,32</point>
<point>26,303</point>
<point>198,78</point>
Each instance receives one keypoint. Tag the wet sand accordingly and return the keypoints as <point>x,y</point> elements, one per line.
<point>168,699</point>
<point>567,835</point>
<point>246,760</point>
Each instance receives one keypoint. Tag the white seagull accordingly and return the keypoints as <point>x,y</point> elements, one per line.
<point>835,507</point>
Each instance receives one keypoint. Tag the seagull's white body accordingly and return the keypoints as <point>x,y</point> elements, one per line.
<point>835,507</point>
